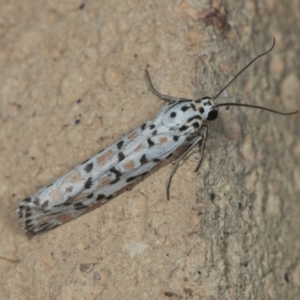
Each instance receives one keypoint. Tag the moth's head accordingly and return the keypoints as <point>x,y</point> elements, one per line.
<point>207,108</point>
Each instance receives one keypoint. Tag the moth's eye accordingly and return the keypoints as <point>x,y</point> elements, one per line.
<point>212,115</point>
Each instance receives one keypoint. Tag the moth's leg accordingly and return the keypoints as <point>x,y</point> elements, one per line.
<point>196,140</point>
<point>203,142</point>
<point>157,93</point>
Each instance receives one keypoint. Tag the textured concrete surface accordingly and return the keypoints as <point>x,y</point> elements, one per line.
<point>230,231</point>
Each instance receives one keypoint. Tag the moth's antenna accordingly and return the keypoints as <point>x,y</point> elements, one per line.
<point>256,106</point>
<point>249,105</point>
<point>240,72</point>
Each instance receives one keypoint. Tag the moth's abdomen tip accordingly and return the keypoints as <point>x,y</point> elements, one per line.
<point>27,214</point>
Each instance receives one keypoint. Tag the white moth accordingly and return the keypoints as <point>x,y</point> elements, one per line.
<point>179,125</point>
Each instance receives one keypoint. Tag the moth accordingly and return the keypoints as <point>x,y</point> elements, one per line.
<point>180,124</point>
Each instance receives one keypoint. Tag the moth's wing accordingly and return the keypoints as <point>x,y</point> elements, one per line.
<point>135,160</point>
<point>34,211</point>
<point>76,206</point>
<point>135,165</point>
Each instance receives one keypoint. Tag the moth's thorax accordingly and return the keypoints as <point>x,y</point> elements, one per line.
<point>207,108</point>
<point>188,115</point>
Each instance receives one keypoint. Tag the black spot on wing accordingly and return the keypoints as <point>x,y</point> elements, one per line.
<point>88,183</point>
<point>152,126</point>
<point>116,173</point>
<point>120,144</point>
<point>143,159</point>
<point>196,125</point>
<point>115,180</point>
<point>173,114</point>
<point>100,197</point>
<point>90,196</point>
<point>184,108</point>
<point>143,126</point>
<point>129,179</point>
<point>183,128</point>
<point>89,167</point>
<point>150,143</point>
<point>201,109</point>
<point>121,156</point>
<point>197,117</point>
<point>175,138</point>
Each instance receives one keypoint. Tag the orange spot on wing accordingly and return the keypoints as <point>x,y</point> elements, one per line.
<point>129,165</point>
<point>56,194</point>
<point>74,178</point>
<point>101,159</point>
<point>132,135</point>
<point>65,218</point>
<point>163,139</point>
<point>104,181</point>
<point>138,148</point>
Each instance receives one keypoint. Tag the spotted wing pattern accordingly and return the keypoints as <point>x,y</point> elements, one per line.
<point>101,177</point>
